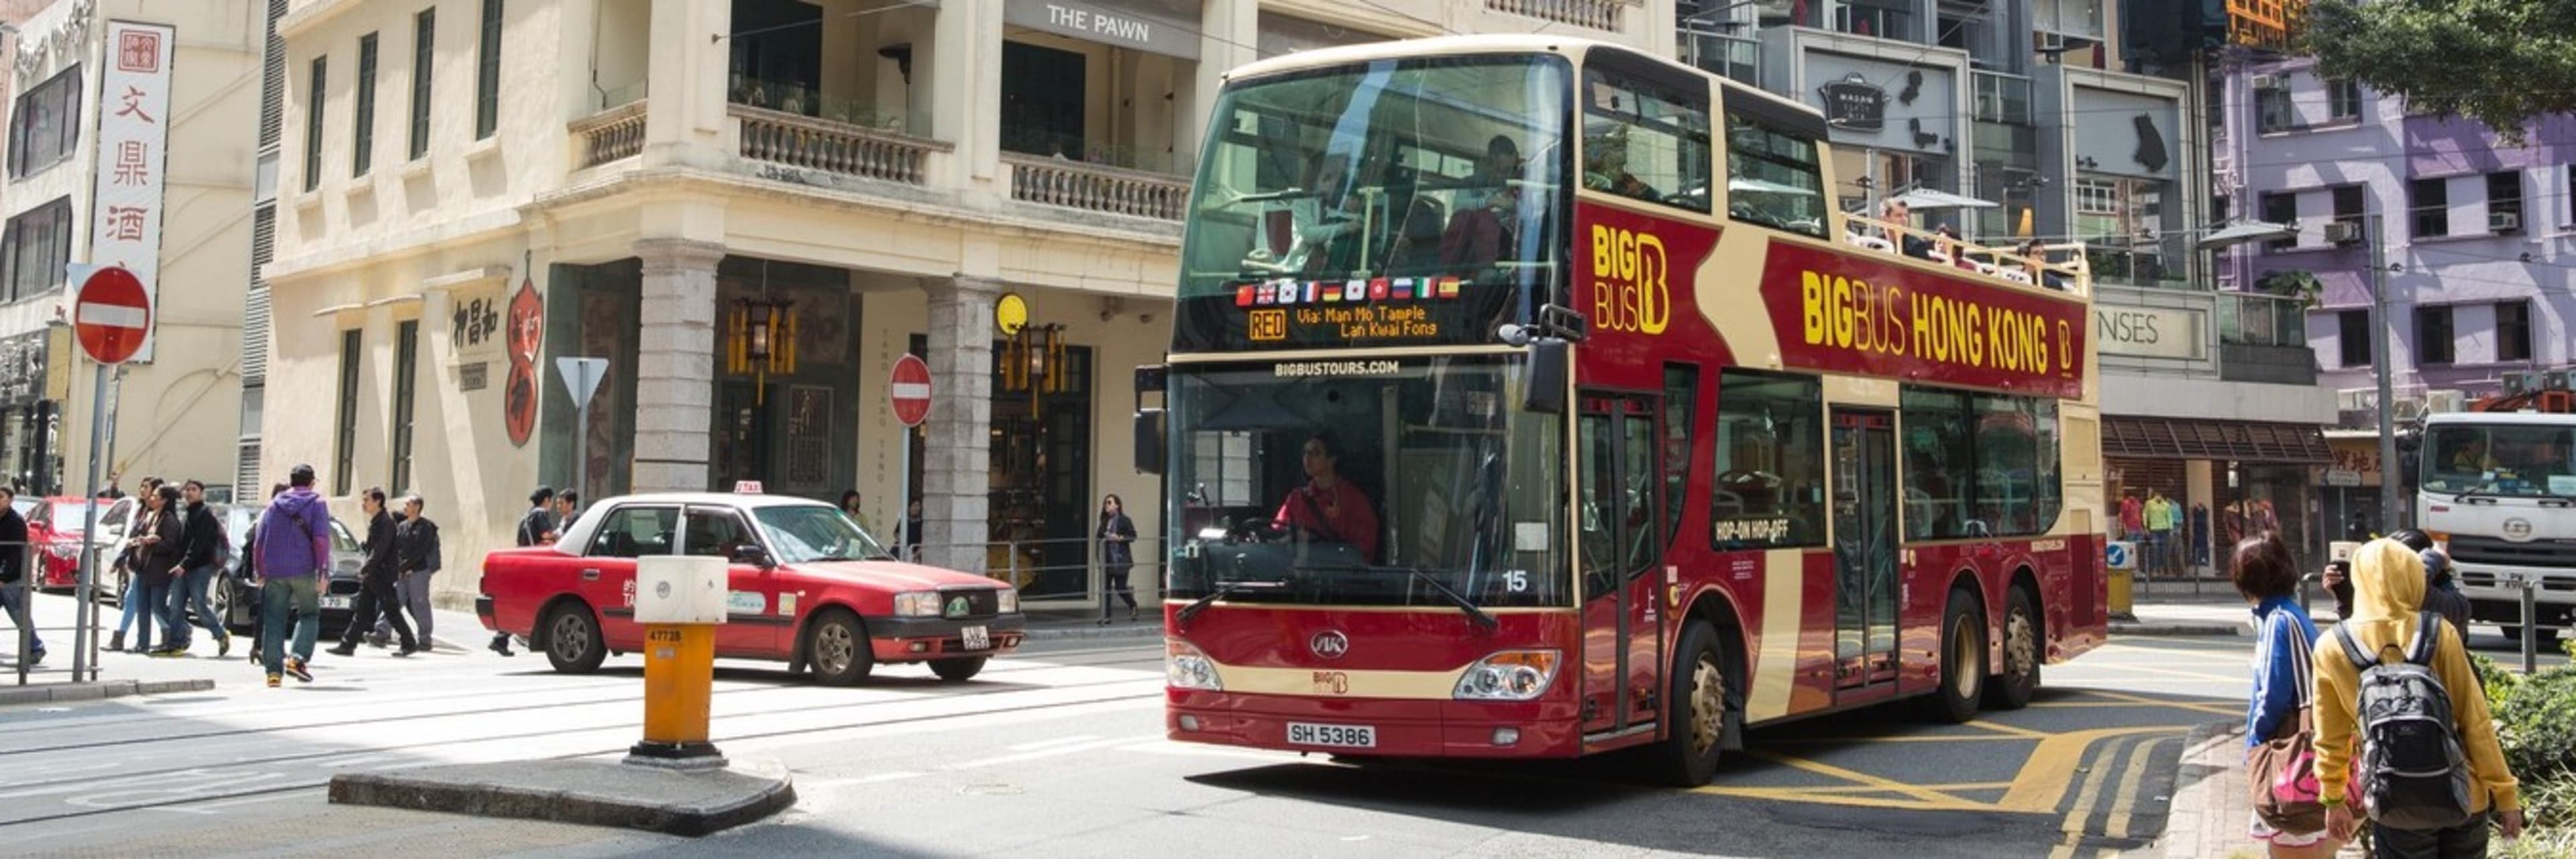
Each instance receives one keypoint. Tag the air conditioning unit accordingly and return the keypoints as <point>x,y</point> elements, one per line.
<point>2264,82</point>
<point>2356,400</point>
<point>2521,382</point>
<point>2558,380</point>
<point>2504,222</point>
<point>2407,409</point>
<point>2343,233</point>
<point>2445,401</point>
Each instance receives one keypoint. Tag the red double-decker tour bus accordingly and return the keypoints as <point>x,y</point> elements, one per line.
<point>1530,397</point>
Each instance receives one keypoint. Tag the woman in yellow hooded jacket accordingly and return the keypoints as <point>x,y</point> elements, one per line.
<point>2388,595</point>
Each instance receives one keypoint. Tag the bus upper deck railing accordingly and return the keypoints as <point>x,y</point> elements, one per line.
<point>2073,276</point>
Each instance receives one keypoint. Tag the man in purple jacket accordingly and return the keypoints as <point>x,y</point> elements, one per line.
<point>293,555</point>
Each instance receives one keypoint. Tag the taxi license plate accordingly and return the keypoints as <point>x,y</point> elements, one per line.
<point>1337,736</point>
<point>977,638</point>
<point>335,602</point>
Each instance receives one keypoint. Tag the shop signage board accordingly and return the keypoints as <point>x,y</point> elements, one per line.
<point>133,139</point>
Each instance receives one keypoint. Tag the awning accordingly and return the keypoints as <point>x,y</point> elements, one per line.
<point>2241,441</point>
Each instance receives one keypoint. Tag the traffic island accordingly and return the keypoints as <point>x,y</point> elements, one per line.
<point>682,802</point>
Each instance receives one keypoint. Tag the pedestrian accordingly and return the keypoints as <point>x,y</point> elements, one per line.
<point>1117,535</point>
<point>2441,591</point>
<point>376,595</point>
<point>2279,709</point>
<point>536,528</point>
<point>912,531</point>
<point>416,558</point>
<point>294,560</point>
<point>567,509</point>
<point>130,598</point>
<point>851,506</point>
<point>2391,634</point>
<point>251,577</point>
<point>200,558</point>
<point>157,538</point>
<point>14,554</point>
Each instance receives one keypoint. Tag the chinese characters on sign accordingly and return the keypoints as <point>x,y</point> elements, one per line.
<point>133,142</point>
<point>476,324</point>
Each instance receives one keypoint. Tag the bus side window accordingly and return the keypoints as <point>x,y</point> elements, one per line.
<point>1770,461</point>
<point>1645,141</point>
<point>1773,177</point>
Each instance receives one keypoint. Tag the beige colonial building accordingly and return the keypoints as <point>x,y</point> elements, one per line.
<point>662,177</point>
<point>175,414</point>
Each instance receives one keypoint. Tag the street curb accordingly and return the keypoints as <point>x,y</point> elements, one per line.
<point>1079,633</point>
<point>585,792</point>
<point>46,693</point>
<point>2202,822</point>
<point>2183,628</point>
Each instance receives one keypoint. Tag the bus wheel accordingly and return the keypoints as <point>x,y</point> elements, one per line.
<point>1696,715</point>
<point>2012,689</point>
<point>1963,662</point>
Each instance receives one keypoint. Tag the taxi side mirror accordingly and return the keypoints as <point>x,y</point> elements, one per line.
<point>754,554</point>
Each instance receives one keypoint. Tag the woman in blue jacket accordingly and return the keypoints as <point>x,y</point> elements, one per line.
<point>2266,576</point>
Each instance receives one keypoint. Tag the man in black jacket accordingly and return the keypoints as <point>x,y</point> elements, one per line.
<point>13,575</point>
<point>415,559</point>
<point>376,595</point>
<point>201,545</point>
<point>537,528</point>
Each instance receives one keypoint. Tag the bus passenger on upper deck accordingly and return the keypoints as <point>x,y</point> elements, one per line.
<point>1895,212</point>
<point>1328,506</point>
<point>1323,213</point>
<point>1605,167</point>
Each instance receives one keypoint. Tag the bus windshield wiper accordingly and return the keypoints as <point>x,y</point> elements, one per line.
<point>1475,615</point>
<point>1221,591</point>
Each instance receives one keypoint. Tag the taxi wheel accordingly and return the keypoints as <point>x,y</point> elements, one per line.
<point>957,670</point>
<point>1695,718</point>
<point>2013,689</point>
<point>1963,662</point>
<point>837,646</point>
<point>573,643</point>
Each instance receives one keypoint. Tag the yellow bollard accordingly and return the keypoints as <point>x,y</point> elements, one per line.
<point>2122,581</point>
<point>2120,562</point>
<point>679,600</point>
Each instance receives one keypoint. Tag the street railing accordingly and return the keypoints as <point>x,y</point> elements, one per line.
<point>18,611</point>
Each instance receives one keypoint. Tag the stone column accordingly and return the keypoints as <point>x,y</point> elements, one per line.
<point>675,364</point>
<point>958,447</point>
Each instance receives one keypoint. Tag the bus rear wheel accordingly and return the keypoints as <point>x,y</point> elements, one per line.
<point>2013,689</point>
<point>1695,717</point>
<point>1963,662</point>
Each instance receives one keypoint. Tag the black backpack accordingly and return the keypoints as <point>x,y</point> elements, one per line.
<point>2413,775</point>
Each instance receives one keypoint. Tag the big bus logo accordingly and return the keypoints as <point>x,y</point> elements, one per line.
<point>1629,270</point>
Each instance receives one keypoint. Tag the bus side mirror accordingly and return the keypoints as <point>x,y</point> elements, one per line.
<point>1149,441</point>
<point>1548,369</point>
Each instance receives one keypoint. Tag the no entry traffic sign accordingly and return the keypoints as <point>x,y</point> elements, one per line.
<point>909,391</point>
<point>112,316</point>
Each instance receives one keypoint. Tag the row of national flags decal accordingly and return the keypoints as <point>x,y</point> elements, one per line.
<point>1287,292</point>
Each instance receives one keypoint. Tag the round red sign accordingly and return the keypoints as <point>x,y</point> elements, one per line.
<point>112,315</point>
<point>909,390</point>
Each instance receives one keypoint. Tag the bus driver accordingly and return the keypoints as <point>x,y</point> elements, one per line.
<point>1329,507</point>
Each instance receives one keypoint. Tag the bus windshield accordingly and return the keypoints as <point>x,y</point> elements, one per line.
<point>1365,482</point>
<point>2505,460</point>
<point>1430,181</point>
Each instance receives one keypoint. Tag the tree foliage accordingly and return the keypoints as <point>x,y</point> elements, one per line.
<point>2500,62</point>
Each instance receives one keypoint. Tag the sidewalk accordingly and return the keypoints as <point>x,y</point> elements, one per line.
<point>2177,611</point>
<point>2210,808</point>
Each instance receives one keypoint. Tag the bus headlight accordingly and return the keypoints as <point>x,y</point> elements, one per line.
<point>1007,600</point>
<point>917,604</point>
<point>1184,667</point>
<point>1512,675</point>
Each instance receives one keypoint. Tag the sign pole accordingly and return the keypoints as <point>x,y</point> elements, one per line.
<point>82,637</point>
<point>903,500</point>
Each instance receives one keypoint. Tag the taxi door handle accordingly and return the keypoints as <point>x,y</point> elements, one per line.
<point>590,575</point>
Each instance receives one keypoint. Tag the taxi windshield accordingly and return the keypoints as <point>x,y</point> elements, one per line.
<point>806,533</point>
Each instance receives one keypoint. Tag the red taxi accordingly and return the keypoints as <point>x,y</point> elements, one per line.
<point>54,532</point>
<point>808,587</point>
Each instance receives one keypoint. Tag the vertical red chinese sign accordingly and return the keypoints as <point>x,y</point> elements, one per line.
<point>527,331</point>
<point>133,140</point>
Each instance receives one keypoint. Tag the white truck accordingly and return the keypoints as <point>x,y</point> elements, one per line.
<point>2498,490</point>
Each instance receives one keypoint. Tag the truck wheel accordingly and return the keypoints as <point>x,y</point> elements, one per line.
<point>957,670</point>
<point>837,646</point>
<point>1695,715</point>
<point>2012,689</point>
<point>573,643</point>
<point>1963,662</point>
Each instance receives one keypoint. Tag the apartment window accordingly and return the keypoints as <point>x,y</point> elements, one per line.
<point>423,44</point>
<point>45,127</point>
<point>34,249</point>
<point>2430,202</point>
<point>2513,330</point>
<point>2272,110</point>
<point>406,365</point>
<point>2504,197</point>
<point>2349,204</point>
<point>2353,337</point>
<point>487,73</point>
<point>344,443</point>
<point>2280,207</point>
<point>313,123</point>
<point>2096,197</point>
<point>2343,100</point>
<point>365,132</point>
<point>2433,336</point>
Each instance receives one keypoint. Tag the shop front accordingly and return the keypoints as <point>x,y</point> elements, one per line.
<point>2226,481</point>
<point>28,402</point>
<point>2350,485</point>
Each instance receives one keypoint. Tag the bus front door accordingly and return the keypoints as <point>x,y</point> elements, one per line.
<point>1865,554</point>
<point>1621,519</point>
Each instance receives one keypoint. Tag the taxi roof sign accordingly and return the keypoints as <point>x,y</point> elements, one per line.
<point>746,487</point>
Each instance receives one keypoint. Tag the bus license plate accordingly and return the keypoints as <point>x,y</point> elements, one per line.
<point>977,638</point>
<point>1337,736</point>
